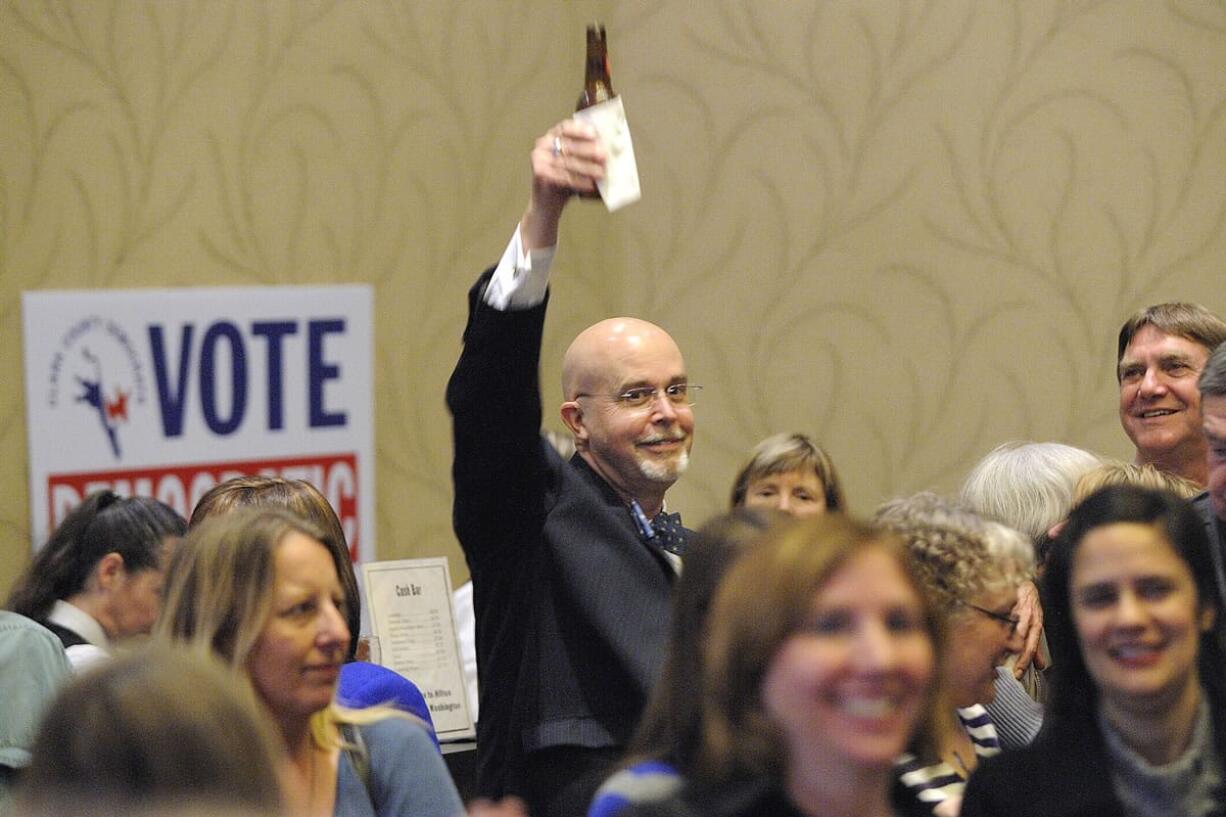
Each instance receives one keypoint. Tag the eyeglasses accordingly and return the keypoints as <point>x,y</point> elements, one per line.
<point>642,397</point>
<point>1011,621</point>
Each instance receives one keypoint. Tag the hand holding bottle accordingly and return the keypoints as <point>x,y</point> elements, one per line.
<point>567,159</point>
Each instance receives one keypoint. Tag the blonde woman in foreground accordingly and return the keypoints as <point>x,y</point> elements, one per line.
<point>260,590</point>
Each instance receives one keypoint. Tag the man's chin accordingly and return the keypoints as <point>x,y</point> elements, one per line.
<point>666,470</point>
<point>1154,445</point>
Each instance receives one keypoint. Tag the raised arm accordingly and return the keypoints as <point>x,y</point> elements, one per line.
<point>567,159</point>
<point>494,392</point>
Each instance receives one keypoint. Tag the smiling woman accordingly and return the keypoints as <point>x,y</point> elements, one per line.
<point>260,590</point>
<point>819,668</point>
<point>1137,717</point>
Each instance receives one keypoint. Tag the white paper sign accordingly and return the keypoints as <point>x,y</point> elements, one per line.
<point>620,185</point>
<point>410,612</point>
<point>166,392</point>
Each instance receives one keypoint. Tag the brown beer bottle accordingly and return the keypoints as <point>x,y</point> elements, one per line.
<point>597,86</point>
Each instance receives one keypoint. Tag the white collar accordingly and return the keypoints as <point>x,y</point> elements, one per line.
<point>71,617</point>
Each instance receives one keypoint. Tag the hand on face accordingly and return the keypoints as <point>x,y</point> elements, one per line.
<point>1029,614</point>
<point>978,644</point>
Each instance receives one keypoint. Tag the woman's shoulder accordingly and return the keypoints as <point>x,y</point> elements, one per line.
<point>747,798</point>
<point>396,733</point>
<point>400,771</point>
<point>1057,774</point>
<point>1056,751</point>
<point>647,781</point>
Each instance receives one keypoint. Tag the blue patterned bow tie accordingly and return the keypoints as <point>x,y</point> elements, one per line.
<point>664,531</point>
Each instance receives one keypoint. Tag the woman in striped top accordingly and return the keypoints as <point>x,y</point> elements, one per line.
<point>972,575</point>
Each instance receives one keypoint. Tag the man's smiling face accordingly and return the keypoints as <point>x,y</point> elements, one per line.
<point>1159,401</point>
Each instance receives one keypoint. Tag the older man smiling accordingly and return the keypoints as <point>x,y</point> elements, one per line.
<point>1161,352</point>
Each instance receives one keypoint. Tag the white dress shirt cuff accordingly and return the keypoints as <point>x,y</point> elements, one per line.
<point>521,279</point>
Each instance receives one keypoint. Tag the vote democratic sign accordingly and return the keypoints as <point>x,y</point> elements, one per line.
<point>166,392</point>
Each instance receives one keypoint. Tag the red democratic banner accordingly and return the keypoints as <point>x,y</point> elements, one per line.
<point>181,486</point>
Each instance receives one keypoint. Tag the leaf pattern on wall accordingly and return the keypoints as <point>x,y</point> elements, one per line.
<point>908,227</point>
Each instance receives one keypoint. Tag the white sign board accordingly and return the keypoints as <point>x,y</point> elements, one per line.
<point>166,392</point>
<point>410,613</point>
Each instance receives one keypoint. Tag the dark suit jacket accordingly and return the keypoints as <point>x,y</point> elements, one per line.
<point>69,638</point>
<point>572,607</point>
<point>1216,529</point>
<point>1064,773</point>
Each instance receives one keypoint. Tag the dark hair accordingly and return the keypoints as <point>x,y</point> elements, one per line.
<point>305,500</point>
<point>1074,697</point>
<point>161,726</point>
<point>136,528</point>
<point>1212,380</point>
<point>671,727</point>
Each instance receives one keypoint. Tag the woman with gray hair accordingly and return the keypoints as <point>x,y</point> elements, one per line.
<point>971,571</point>
<point>1029,487</point>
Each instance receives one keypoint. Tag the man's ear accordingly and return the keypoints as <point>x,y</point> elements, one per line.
<point>572,415</point>
<point>109,571</point>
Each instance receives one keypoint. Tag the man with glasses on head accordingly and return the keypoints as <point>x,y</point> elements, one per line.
<point>1160,354</point>
<point>572,561</point>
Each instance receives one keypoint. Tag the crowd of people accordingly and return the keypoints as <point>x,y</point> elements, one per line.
<point>1050,641</point>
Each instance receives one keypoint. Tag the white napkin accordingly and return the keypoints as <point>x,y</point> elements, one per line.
<point>620,185</point>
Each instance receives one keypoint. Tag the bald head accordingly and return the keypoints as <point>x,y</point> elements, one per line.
<point>639,448</point>
<point>602,357</point>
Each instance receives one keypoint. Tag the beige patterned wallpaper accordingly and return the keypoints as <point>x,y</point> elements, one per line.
<point>909,227</point>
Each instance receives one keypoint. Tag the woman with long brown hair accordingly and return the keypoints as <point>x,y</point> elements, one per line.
<point>819,669</point>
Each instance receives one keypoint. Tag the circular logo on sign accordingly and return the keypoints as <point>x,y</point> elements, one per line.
<point>95,369</point>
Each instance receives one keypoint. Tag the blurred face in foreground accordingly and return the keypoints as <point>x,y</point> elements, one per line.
<point>848,687</point>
